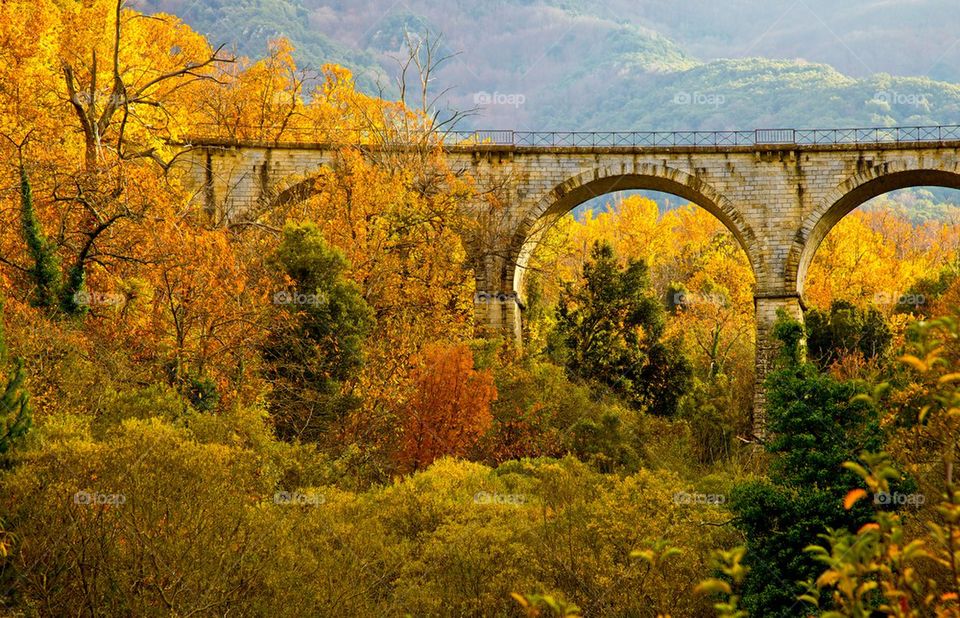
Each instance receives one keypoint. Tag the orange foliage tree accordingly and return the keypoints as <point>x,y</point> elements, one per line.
<point>449,409</point>
<point>874,257</point>
<point>99,99</point>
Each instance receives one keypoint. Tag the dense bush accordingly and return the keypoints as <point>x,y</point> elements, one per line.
<point>195,514</point>
<point>816,424</point>
<point>844,330</point>
<point>541,412</point>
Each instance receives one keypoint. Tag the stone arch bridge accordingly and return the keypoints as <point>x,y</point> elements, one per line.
<point>778,191</point>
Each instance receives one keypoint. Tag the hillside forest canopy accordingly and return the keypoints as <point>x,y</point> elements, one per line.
<point>295,412</point>
<point>622,64</point>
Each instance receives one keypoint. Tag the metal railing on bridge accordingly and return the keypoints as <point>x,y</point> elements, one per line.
<point>588,139</point>
<point>757,137</point>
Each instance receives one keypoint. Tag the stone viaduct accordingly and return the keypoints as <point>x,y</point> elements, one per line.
<point>779,192</point>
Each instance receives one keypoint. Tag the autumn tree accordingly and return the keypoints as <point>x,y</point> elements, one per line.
<point>116,108</point>
<point>262,100</point>
<point>128,80</point>
<point>31,100</point>
<point>449,409</point>
<point>711,310</point>
<point>188,310</point>
<point>101,91</point>
<point>877,255</point>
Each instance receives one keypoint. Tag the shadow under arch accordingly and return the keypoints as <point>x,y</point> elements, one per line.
<point>299,191</point>
<point>846,198</point>
<point>601,181</point>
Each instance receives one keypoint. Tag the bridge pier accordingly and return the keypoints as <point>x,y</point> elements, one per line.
<point>767,306</point>
<point>498,313</point>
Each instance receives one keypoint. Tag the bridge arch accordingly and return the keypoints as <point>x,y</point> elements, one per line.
<point>292,192</point>
<point>599,181</point>
<point>851,194</point>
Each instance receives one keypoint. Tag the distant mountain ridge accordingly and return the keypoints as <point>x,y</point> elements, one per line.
<point>576,65</point>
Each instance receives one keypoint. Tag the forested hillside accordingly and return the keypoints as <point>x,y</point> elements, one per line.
<point>618,65</point>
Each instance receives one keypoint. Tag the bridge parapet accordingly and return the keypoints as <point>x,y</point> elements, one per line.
<point>756,138</point>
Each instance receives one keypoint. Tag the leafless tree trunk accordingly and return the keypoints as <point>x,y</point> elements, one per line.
<point>96,119</point>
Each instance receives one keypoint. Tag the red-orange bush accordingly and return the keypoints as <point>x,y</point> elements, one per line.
<point>449,409</point>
